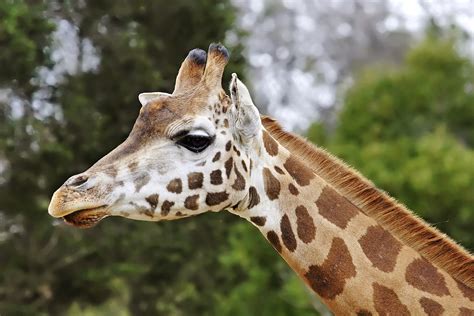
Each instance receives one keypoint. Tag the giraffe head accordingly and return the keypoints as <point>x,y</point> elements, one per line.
<point>189,152</point>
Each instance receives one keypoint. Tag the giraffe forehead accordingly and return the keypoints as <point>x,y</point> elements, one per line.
<point>155,118</point>
<point>174,110</point>
<point>200,124</point>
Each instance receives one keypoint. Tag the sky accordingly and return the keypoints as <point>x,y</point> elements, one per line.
<point>295,33</point>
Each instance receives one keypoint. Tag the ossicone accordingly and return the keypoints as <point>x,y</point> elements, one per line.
<point>191,71</point>
<point>217,58</point>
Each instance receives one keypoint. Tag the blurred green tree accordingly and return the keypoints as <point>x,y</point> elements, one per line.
<point>54,123</point>
<point>259,282</point>
<point>410,131</point>
<point>406,129</point>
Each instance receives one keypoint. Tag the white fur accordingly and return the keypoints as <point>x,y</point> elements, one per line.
<point>146,97</point>
<point>247,117</point>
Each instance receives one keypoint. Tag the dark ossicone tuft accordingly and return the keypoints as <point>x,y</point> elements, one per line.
<point>198,56</point>
<point>218,47</point>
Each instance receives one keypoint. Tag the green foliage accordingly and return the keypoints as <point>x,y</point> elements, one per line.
<point>259,281</point>
<point>25,31</point>
<point>434,86</point>
<point>46,267</point>
<point>410,131</point>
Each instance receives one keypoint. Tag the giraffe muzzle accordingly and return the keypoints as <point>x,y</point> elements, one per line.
<point>79,202</point>
<point>86,218</point>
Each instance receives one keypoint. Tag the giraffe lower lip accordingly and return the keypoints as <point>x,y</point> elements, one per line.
<point>87,218</point>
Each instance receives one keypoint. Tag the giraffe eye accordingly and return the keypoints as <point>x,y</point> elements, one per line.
<point>195,143</point>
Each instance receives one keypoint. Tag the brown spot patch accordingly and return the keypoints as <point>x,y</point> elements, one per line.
<point>274,240</point>
<point>431,307</point>
<point>166,207</point>
<point>216,177</point>
<point>152,200</point>
<point>287,234</point>
<point>244,166</point>
<point>302,174</point>
<point>254,198</point>
<point>239,183</point>
<point>293,190</point>
<point>258,220</point>
<point>427,240</point>
<point>226,121</point>
<point>228,166</point>
<point>328,280</point>
<point>216,198</point>
<point>386,301</point>
<point>335,208</point>
<point>271,184</point>
<point>217,156</point>
<point>175,186</point>
<point>363,312</point>
<point>463,311</point>
<point>424,276</point>
<point>141,180</point>
<point>381,248</point>
<point>111,171</point>
<point>133,166</point>
<point>304,224</point>
<point>466,291</point>
<point>228,146</point>
<point>271,146</point>
<point>146,211</point>
<point>279,170</point>
<point>195,180</point>
<point>236,151</point>
<point>191,202</point>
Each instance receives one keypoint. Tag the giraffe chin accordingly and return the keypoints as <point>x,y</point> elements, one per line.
<point>86,218</point>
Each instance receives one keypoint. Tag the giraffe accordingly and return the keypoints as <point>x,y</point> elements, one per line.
<point>198,150</point>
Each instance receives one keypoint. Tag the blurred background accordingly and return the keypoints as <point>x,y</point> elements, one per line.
<point>388,85</point>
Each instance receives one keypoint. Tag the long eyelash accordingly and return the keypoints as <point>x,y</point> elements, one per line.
<point>184,133</point>
<point>179,135</point>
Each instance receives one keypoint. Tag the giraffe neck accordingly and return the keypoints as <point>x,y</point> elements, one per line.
<point>343,255</point>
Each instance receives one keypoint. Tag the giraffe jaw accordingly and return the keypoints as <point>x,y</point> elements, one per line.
<point>87,218</point>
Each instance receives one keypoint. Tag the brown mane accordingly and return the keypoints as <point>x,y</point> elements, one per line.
<point>393,216</point>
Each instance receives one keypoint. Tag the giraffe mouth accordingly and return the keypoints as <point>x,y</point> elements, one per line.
<point>86,218</point>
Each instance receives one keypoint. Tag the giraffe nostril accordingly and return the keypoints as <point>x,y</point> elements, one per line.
<point>77,180</point>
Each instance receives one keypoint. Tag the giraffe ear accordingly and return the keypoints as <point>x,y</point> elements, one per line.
<point>146,97</point>
<point>247,118</point>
